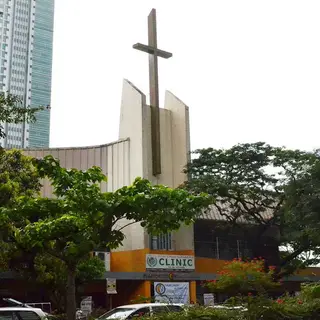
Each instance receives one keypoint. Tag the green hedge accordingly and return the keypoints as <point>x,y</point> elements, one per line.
<point>265,313</point>
<point>201,313</point>
<point>268,311</point>
<point>306,306</point>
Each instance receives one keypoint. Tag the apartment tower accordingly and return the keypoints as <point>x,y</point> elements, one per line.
<point>26,37</point>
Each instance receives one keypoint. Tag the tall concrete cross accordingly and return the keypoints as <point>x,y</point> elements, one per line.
<point>154,53</point>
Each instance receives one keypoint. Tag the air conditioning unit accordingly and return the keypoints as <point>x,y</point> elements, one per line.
<point>105,257</point>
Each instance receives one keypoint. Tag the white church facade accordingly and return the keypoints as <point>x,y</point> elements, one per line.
<point>124,160</point>
<point>131,156</point>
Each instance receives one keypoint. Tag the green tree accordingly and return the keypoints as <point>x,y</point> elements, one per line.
<point>82,218</point>
<point>302,217</point>
<point>249,182</point>
<point>51,273</point>
<point>17,175</point>
<point>12,111</point>
<point>18,178</point>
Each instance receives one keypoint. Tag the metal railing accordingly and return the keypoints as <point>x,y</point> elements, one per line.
<point>44,306</point>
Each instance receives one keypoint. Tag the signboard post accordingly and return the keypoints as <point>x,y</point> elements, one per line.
<point>111,288</point>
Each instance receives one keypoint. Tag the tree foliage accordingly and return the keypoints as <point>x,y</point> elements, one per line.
<point>81,218</point>
<point>13,111</point>
<point>259,184</point>
<point>244,277</point>
<point>18,177</point>
<point>51,273</point>
<point>302,217</point>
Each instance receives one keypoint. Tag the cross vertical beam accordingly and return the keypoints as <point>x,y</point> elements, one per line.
<point>154,94</point>
<point>154,53</point>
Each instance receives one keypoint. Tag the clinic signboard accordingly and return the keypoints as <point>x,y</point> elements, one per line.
<point>170,262</point>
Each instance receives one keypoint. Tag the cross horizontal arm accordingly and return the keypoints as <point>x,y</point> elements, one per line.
<point>151,50</point>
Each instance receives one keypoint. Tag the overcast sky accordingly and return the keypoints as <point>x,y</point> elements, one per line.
<point>248,70</point>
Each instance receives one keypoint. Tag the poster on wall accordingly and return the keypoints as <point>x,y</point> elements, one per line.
<point>172,292</point>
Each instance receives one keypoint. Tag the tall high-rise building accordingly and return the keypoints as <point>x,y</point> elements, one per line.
<point>26,38</point>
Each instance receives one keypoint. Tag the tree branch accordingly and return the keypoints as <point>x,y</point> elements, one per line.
<point>127,225</point>
<point>293,255</point>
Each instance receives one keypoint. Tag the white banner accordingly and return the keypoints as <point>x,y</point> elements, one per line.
<point>86,305</point>
<point>172,292</point>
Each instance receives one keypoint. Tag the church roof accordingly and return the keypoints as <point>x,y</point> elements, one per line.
<point>212,213</point>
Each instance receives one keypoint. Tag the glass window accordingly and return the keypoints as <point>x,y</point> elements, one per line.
<point>6,315</point>
<point>101,256</point>
<point>173,308</point>
<point>27,315</point>
<point>116,313</point>
<point>159,309</point>
<point>161,242</point>
<point>143,312</point>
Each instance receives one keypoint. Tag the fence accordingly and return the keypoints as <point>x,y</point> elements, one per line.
<point>44,306</point>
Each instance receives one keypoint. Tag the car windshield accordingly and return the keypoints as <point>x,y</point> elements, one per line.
<point>117,313</point>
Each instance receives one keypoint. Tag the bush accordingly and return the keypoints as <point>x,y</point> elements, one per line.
<point>272,310</point>
<point>306,306</point>
<point>248,284</point>
<point>201,313</point>
<point>62,316</point>
<point>244,277</point>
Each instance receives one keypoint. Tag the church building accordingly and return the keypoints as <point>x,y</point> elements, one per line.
<point>154,143</point>
<point>179,260</point>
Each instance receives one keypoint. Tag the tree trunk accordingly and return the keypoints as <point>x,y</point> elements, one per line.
<point>71,295</point>
<point>58,299</point>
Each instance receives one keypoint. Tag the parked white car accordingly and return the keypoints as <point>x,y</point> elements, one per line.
<point>21,313</point>
<point>139,310</point>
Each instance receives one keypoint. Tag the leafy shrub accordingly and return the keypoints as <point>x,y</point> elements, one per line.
<point>284,308</point>
<point>272,310</point>
<point>201,313</point>
<point>62,316</point>
<point>310,291</point>
<point>243,277</point>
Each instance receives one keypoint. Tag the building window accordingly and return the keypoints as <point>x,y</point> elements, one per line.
<point>223,248</point>
<point>161,242</point>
